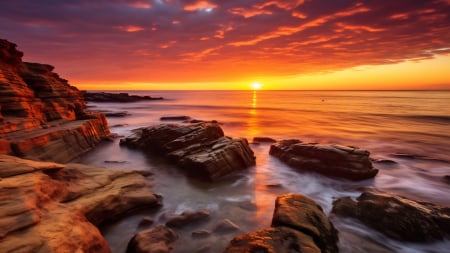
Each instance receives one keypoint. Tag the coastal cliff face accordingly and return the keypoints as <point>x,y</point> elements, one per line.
<point>41,116</point>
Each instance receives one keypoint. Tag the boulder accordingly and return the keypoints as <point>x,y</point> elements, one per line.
<point>298,225</point>
<point>56,208</point>
<point>200,148</point>
<point>175,118</point>
<point>273,240</point>
<point>330,160</point>
<point>226,226</point>
<point>397,217</point>
<point>159,239</point>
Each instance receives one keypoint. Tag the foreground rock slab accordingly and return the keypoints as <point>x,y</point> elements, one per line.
<point>298,225</point>
<point>397,217</point>
<point>200,148</point>
<point>48,207</point>
<point>330,160</point>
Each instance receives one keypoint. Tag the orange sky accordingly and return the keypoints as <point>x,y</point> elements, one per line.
<point>212,44</point>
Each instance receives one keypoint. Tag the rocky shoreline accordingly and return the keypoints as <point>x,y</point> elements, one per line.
<point>48,206</point>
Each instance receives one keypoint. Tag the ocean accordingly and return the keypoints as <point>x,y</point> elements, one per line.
<point>411,128</point>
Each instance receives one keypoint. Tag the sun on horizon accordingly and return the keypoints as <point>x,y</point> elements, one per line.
<point>256,86</point>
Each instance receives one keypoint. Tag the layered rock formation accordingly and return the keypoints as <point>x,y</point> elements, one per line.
<point>298,225</point>
<point>41,115</point>
<point>198,148</point>
<point>49,207</point>
<point>397,217</point>
<point>159,239</point>
<point>330,160</point>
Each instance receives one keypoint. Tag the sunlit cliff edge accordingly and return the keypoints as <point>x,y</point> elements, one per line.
<point>41,116</point>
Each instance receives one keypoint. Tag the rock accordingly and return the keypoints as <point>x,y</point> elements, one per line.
<point>303,214</point>
<point>41,115</point>
<point>264,139</point>
<point>56,207</point>
<point>447,179</point>
<point>146,221</point>
<point>159,239</point>
<point>174,118</point>
<point>298,225</point>
<point>330,160</point>
<point>61,143</point>
<point>187,218</point>
<point>384,161</point>
<point>115,97</point>
<point>279,239</point>
<point>201,234</point>
<point>200,149</point>
<point>120,162</point>
<point>226,226</point>
<point>248,205</point>
<point>397,217</point>
<point>274,185</point>
<point>117,114</point>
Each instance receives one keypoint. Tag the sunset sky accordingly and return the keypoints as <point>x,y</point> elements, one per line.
<point>212,44</point>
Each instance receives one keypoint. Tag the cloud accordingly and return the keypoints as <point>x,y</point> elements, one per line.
<point>212,40</point>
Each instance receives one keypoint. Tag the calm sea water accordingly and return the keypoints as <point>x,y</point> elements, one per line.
<point>384,122</point>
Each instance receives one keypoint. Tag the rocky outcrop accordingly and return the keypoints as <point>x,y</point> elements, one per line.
<point>199,148</point>
<point>49,207</point>
<point>330,160</point>
<point>41,115</point>
<point>188,217</point>
<point>298,225</point>
<point>115,97</point>
<point>397,217</point>
<point>159,239</point>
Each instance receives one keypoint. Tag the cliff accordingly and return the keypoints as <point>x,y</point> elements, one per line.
<point>41,115</point>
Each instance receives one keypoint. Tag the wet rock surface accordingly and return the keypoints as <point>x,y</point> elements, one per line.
<point>397,217</point>
<point>298,225</point>
<point>200,149</point>
<point>159,239</point>
<point>330,160</point>
<point>115,97</point>
<point>48,207</point>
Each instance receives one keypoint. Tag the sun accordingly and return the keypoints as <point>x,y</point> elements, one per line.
<point>256,86</point>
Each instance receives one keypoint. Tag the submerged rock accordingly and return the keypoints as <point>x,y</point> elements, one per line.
<point>175,118</point>
<point>187,218</point>
<point>298,225</point>
<point>397,217</point>
<point>200,149</point>
<point>330,160</point>
<point>55,208</point>
<point>159,239</point>
<point>226,226</point>
<point>264,139</point>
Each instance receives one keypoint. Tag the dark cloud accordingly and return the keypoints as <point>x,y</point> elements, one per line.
<point>175,40</point>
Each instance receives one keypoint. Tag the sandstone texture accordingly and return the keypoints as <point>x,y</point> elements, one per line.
<point>330,160</point>
<point>50,207</point>
<point>115,97</point>
<point>198,148</point>
<point>397,217</point>
<point>298,225</point>
<point>41,115</point>
<point>159,239</point>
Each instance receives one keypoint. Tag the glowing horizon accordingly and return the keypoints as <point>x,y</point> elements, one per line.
<point>223,45</point>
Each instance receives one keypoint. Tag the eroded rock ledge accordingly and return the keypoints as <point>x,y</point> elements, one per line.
<point>50,207</point>
<point>298,225</point>
<point>330,160</point>
<point>41,115</point>
<point>198,148</point>
<point>115,97</point>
